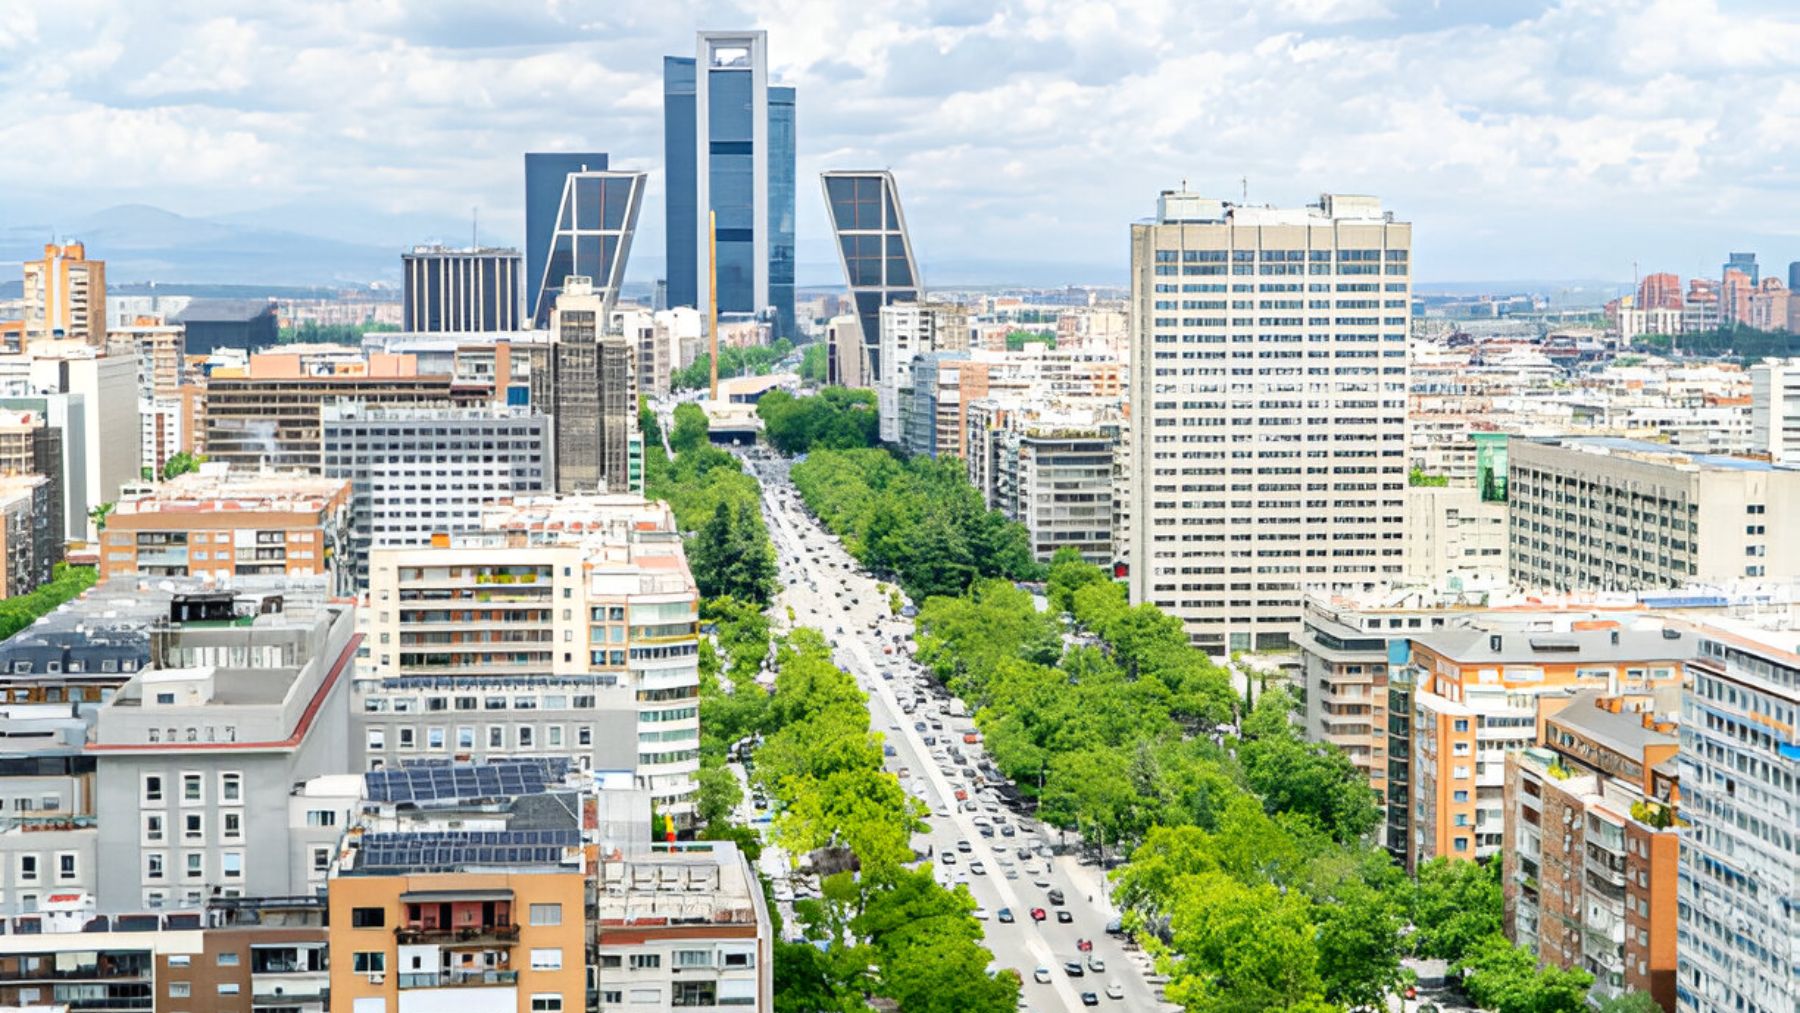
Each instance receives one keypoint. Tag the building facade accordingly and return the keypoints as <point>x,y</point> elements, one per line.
<point>546,182</point>
<point>1610,514</point>
<point>65,297</point>
<point>29,521</point>
<point>474,290</point>
<point>1296,477</point>
<point>874,249</point>
<point>728,148</point>
<point>909,330</point>
<point>209,325</point>
<point>588,388</point>
<point>590,238</point>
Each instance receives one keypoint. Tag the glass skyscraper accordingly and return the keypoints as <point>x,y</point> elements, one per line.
<point>874,249</point>
<point>546,177</point>
<point>728,145</point>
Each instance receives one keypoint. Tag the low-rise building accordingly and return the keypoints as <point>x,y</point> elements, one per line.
<point>1455,537</point>
<point>223,524</point>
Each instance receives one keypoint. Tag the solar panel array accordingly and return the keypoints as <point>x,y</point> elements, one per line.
<point>451,848</point>
<point>495,779</point>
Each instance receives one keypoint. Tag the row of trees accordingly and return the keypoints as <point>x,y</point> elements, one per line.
<point>918,520</point>
<point>813,367</point>
<point>65,583</point>
<point>1251,877</point>
<point>1734,341</point>
<point>311,332</point>
<point>749,360</point>
<point>837,418</point>
<point>728,547</point>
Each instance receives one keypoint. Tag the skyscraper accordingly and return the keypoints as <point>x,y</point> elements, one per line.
<point>1268,394</point>
<point>546,177</point>
<point>1745,262</point>
<point>728,148</point>
<point>584,383</point>
<point>874,249</point>
<point>461,291</point>
<point>590,237</point>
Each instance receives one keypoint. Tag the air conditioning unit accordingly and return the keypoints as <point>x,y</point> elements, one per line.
<point>377,977</point>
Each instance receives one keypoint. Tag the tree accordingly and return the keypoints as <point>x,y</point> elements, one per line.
<point>1245,948</point>
<point>1506,978</point>
<point>692,431</point>
<point>1631,1002</point>
<point>1359,946</point>
<point>718,796</point>
<point>1455,906</point>
<point>181,463</point>
<point>98,515</point>
<point>812,363</point>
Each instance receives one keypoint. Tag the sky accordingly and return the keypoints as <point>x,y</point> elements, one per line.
<point>1524,140</point>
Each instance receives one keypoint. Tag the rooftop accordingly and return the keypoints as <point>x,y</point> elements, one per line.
<point>224,311</point>
<point>1602,646</point>
<point>1621,731</point>
<point>219,490</point>
<point>1656,453</point>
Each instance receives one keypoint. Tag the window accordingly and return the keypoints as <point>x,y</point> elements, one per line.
<point>406,738</point>
<point>369,962</point>
<point>153,865</point>
<point>645,961</point>
<point>229,958</point>
<point>377,738</point>
<point>465,737</point>
<point>231,788</point>
<point>190,788</point>
<point>584,736</point>
<point>233,864</point>
<point>195,866</point>
<point>693,958</point>
<point>368,917</point>
<point>153,828</point>
<point>65,867</point>
<point>611,961</point>
<point>546,914</point>
<point>321,818</point>
<point>496,737</point>
<point>153,788</point>
<point>180,989</point>
<point>28,868</point>
<point>546,960</point>
<point>525,737</point>
<point>180,960</point>
<point>434,738</point>
<point>555,733</point>
<point>234,826</point>
<point>228,988</point>
<point>547,1003</point>
<point>193,827</point>
<point>321,859</point>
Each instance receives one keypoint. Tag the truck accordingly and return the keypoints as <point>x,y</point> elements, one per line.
<point>957,709</point>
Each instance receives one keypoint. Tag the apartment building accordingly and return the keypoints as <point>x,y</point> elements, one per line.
<point>1455,537</point>
<point>1268,392</point>
<point>417,471</point>
<point>1473,695</point>
<point>1053,473</point>
<point>268,415</point>
<point>846,354</point>
<point>1617,514</point>
<point>1739,867</point>
<point>563,628</point>
<point>90,397</point>
<point>1775,410</point>
<point>430,913</point>
<point>908,330</point>
<point>1589,858</point>
<point>929,410</point>
<point>587,386</point>
<point>30,523</point>
<point>222,524</point>
<point>65,296</point>
<point>244,697</point>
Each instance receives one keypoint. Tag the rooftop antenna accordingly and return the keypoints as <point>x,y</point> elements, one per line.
<point>474,228</point>
<point>1244,183</point>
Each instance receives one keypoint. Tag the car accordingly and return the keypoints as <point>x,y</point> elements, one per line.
<point>1005,915</point>
<point>947,857</point>
<point>977,868</point>
<point>981,914</point>
<point>1063,917</point>
<point>1089,999</point>
<point>1095,964</point>
<point>1041,880</point>
<point>1056,897</point>
<point>964,846</point>
<point>1012,874</point>
<point>918,726</point>
<point>1074,969</point>
<point>1037,914</point>
<point>888,751</point>
<point>1114,990</point>
<point>1041,975</point>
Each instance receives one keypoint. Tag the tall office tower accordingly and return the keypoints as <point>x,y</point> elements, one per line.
<point>1793,275</point>
<point>728,147</point>
<point>1268,394</point>
<point>1745,262</point>
<point>546,178</point>
<point>586,386</point>
<point>1739,763</point>
<point>65,296</point>
<point>873,247</point>
<point>590,236</point>
<point>461,291</point>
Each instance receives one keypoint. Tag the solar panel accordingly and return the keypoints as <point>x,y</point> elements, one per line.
<point>495,779</point>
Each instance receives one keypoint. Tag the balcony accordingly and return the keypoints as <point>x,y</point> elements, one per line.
<point>458,979</point>
<point>471,934</point>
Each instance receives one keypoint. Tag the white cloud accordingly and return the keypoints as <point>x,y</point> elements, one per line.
<point>1027,129</point>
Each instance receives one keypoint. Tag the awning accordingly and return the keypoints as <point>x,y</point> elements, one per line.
<point>428,896</point>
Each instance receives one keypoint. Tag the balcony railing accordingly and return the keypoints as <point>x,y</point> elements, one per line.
<point>457,979</point>
<point>407,934</point>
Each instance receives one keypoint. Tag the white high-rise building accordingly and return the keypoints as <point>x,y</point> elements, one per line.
<point>1268,394</point>
<point>909,330</point>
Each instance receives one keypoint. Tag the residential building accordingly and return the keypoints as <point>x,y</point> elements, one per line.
<point>909,330</point>
<point>1455,537</point>
<point>50,432</point>
<point>1769,306</point>
<point>92,398</point>
<point>29,521</point>
<point>65,297</point>
<point>267,415</point>
<point>417,472</point>
<point>590,238</point>
<point>1660,291</point>
<point>1590,850</point>
<point>930,410</point>
<point>1701,311</point>
<point>1618,514</point>
<point>454,897</point>
<point>1739,869</point>
<point>1734,297</point>
<point>30,445</point>
<point>209,325</point>
<point>546,185</point>
<point>846,352</point>
<point>1743,263</point>
<point>1775,410</point>
<point>564,628</point>
<point>244,697</point>
<point>1474,695</point>
<point>728,149</point>
<point>587,387</point>
<point>653,351</point>
<point>472,290</point>
<point>219,524</point>
<point>1050,470</point>
<point>1283,481</point>
<point>875,250</point>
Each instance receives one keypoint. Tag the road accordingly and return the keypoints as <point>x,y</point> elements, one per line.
<point>827,590</point>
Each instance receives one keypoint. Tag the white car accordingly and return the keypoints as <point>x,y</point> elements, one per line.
<point>981,914</point>
<point>1114,990</point>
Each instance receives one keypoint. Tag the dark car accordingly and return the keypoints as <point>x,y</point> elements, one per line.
<point>1005,915</point>
<point>964,847</point>
<point>1056,897</point>
<point>1089,999</point>
<point>1063,916</point>
<point>1074,969</point>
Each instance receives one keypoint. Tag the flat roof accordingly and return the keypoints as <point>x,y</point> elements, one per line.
<point>1474,646</point>
<point>1626,445</point>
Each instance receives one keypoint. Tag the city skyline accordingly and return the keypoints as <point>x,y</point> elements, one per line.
<point>1527,139</point>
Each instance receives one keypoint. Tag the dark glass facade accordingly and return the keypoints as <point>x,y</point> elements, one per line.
<point>781,208</point>
<point>546,175</point>
<point>874,248</point>
<point>591,235</point>
<point>681,201</point>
